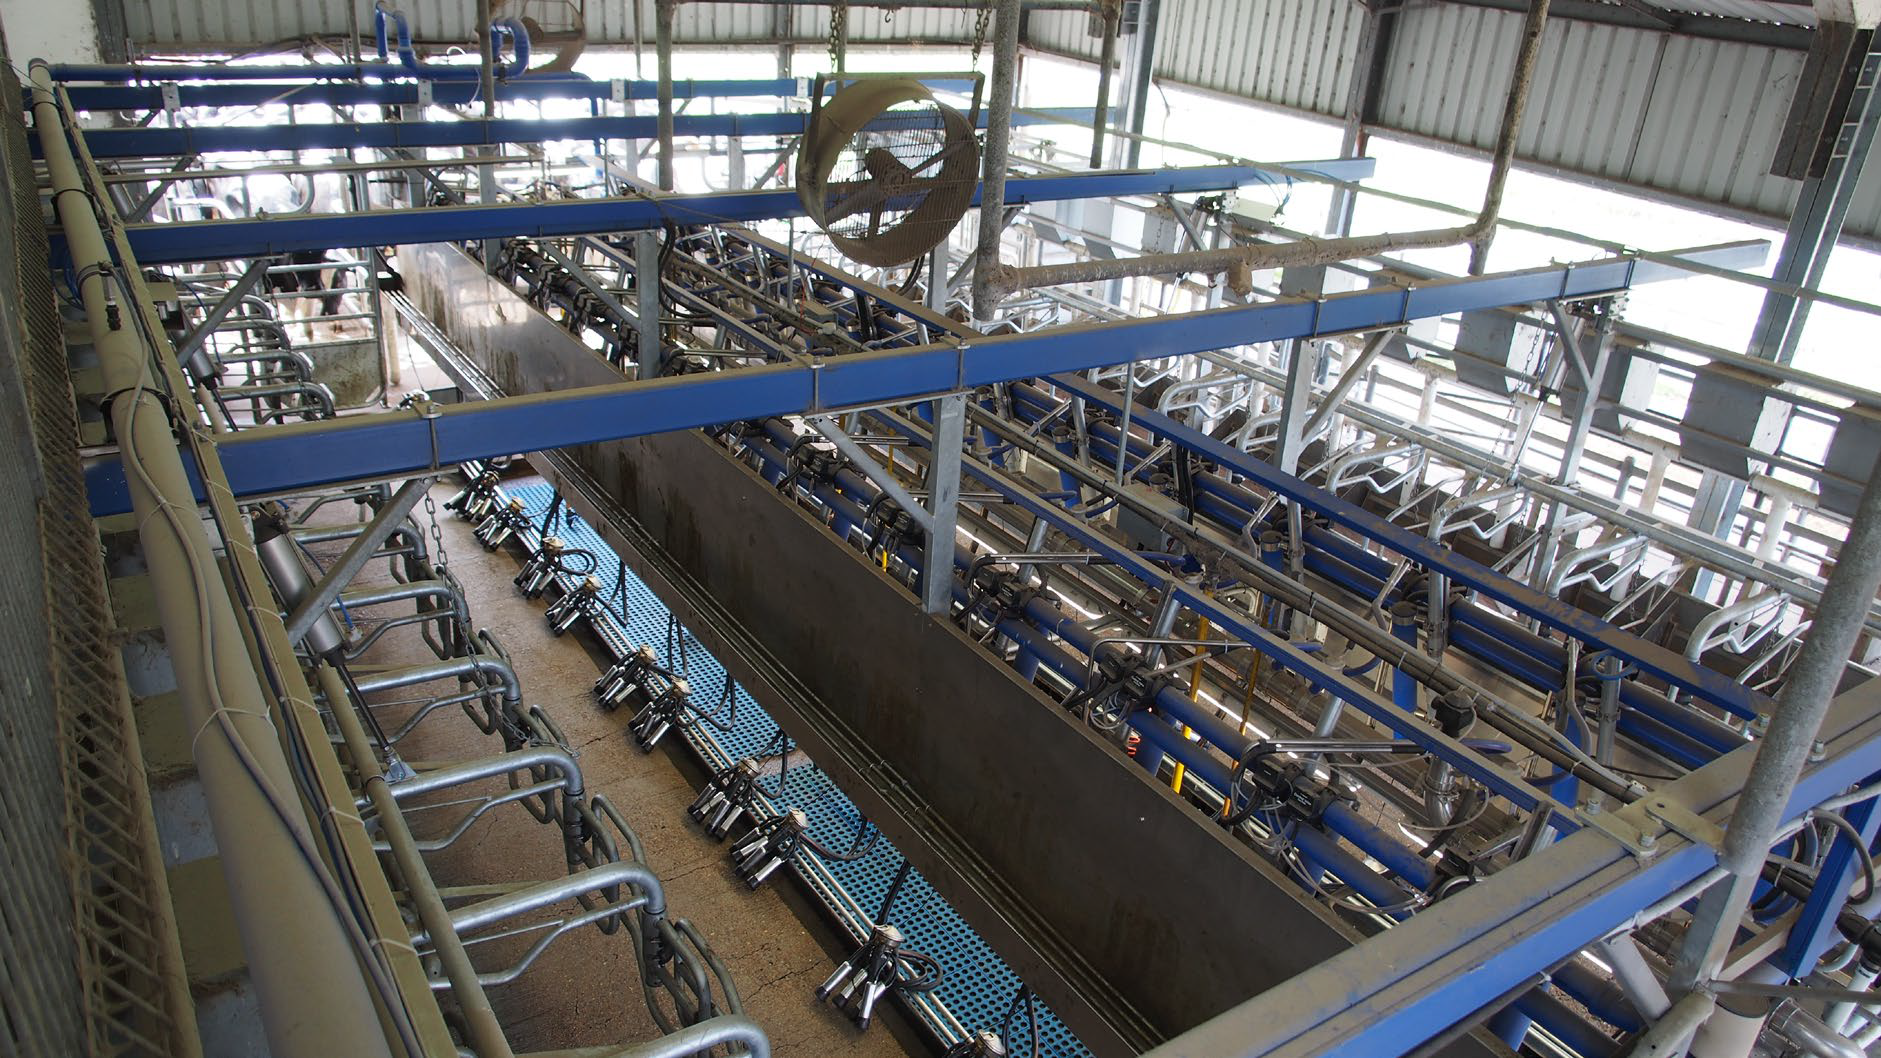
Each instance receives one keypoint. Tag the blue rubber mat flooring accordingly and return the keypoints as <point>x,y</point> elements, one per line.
<point>978,986</point>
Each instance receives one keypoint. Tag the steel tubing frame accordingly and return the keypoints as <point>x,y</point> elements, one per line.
<point>854,516</point>
<point>1348,564</point>
<point>1676,538</point>
<point>1420,666</point>
<point>302,455</point>
<point>485,1033</point>
<point>548,769</point>
<point>1788,745</point>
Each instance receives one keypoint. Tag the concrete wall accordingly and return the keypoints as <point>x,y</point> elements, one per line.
<point>62,31</point>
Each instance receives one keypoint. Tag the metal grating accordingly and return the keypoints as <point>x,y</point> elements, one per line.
<point>91,957</point>
<point>979,985</point>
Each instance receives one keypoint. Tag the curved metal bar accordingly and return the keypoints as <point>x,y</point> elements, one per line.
<point>458,774</point>
<point>473,666</point>
<point>553,891</point>
<point>1731,620</point>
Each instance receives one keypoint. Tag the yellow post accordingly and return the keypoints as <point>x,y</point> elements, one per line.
<point>1195,693</point>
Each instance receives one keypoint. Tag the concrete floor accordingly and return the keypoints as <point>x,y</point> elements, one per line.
<point>584,991</point>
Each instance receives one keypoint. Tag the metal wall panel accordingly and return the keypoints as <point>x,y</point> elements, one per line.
<point>1693,117</point>
<point>1062,33</point>
<point>1297,53</point>
<point>162,23</point>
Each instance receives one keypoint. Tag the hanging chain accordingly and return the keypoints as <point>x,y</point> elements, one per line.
<point>979,30</point>
<point>838,29</point>
<point>437,535</point>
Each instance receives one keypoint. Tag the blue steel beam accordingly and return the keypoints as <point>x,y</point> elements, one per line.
<point>1707,684</point>
<point>304,455</point>
<point>154,72</point>
<point>301,92</point>
<point>1815,929</point>
<point>1416,980</point>
<point>389,135</point>
<point>157,244</point>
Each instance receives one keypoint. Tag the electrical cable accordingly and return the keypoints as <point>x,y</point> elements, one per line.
<point>1860,845</point>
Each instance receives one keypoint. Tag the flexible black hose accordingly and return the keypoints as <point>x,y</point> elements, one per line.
<point>894,890</point>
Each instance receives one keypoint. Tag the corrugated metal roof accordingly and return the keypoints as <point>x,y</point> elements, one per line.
<point>1781,12</point>
<point>1688,116</point>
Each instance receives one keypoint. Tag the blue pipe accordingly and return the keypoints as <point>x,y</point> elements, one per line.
<point>1564,1024</point>
<point>1666,741</point>
<point>1598,994</point>
<point>121,74</point>
<point>408,55</point>
<point>1403,684</point>
<point>518,36</point>
<point>1510,1026</point>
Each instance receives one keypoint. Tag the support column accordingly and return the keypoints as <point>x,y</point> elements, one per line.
<point>1139,71</point>
<point>938,286</point>
<point>1841,147</point>
<point>993,171</point>
<point>1786,746</point>
<point>1112,13</point>
<point>781,30</point>
<point>647,304</point>
<point>1362,102</point>
<point>486,87</point>
<point>1586,355</point>
<point>1293,402</point>
<point>735,162</point>
<point>943,498</point>
<point>663,59</point>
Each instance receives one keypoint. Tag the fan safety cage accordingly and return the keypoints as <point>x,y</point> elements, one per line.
<point>887,170</point>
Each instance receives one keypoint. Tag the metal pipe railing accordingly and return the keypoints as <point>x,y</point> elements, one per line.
<point>467,667</point>
<point>473,1005</point>
<point>302,954</point>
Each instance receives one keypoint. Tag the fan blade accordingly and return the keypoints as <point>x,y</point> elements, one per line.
<point>944,152</point>
<point>871,196</point>
<point>875,222</point>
